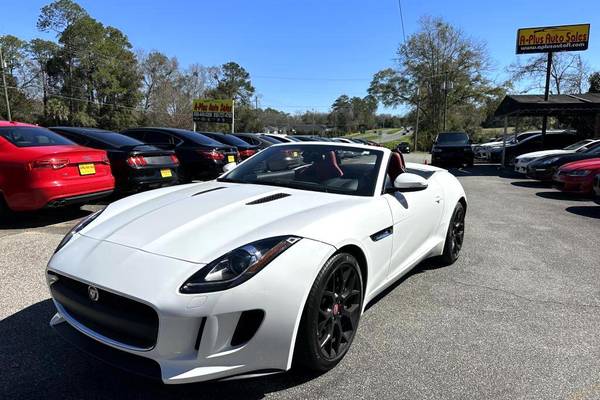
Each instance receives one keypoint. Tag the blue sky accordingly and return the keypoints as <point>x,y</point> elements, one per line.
<point>303,54</point>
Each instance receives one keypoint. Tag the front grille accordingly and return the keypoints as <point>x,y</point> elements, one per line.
<point>116,317</point>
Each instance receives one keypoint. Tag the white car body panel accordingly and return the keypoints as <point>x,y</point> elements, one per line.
<point>146,246</point>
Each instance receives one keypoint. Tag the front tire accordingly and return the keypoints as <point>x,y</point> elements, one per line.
<point>455,235</point>
<point>331,314</point>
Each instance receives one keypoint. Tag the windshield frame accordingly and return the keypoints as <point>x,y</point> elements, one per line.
<point>380,161</point>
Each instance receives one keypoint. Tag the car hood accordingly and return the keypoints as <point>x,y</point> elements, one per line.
<point>543,153</point>
<point>200,222</point>
<point>592,163</point>
<point>562,159</point>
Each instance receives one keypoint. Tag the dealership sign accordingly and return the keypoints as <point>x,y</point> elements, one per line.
<point>206,110</point>
<point>553,38</point>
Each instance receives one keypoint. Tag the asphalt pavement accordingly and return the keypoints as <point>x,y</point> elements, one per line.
<point>516,317</point>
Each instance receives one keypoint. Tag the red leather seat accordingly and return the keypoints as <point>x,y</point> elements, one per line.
<point>396,166</point>
<point>326,167</point>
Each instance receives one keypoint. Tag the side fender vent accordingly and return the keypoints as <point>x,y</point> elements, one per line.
<point>269,198</point>
<point>247,326</point>
<point>208,190</point>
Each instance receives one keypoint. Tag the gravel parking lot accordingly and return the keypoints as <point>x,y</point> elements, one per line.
<point>516,317</point>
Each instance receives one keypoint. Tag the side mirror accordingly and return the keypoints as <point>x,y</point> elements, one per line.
<point>408,181</point>
<point>229,166</point>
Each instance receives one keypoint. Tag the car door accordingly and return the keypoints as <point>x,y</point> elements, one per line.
<point>416,216</point>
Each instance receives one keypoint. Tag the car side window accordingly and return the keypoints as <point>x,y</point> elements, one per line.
<point>157,138</point>
<point>80,140</point>
<point>139,135</point>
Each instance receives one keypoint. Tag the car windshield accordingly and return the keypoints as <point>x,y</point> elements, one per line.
<point>452,137</point>
<point>112,139</point>
<point>271,139</point>
<point>594,150</point>
<point>196,137</point>
<point>227,139</point>
<point>25,136</point>
<point>320,168</point>
<point>577,145</point>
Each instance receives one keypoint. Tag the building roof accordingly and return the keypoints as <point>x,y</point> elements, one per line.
<point>562,104</point>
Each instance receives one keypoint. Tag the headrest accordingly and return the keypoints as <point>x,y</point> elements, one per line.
<point>396,166</point>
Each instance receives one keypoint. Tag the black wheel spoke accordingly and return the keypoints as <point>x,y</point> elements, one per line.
<point>339,310</point>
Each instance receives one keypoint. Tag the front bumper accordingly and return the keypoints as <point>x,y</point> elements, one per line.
<point>573,184</point>
<point>195,340</point>
<point>544,174</point>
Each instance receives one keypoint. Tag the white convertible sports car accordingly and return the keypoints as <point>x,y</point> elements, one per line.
<point>272,263</point>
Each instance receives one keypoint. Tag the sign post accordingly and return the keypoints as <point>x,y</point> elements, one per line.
<point>551,39</point>
<point>232,116</point>
<point>217,111</point>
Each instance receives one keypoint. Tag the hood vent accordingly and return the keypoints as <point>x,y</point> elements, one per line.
<point>269,198</point>
<point>208,190</point>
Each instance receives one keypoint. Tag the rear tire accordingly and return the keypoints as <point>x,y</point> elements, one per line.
<point>454,236</point>
<point>5,212</point>
<point>331,314</point>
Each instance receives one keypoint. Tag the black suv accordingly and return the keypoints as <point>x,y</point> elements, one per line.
<point>452,148</point>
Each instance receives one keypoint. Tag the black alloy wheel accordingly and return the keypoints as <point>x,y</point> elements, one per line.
<point>455,235</point>
<point>331,315</point>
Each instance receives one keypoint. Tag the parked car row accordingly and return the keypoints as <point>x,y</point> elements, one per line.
<point>525,142</point>
<point>58,166</point>
<point>573,169</point>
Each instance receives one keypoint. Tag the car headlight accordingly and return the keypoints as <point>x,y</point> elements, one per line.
<point>579,172</point>
<point>238,265</point>
<point>77,228</point>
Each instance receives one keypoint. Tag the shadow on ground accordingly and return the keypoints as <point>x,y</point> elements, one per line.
<point>585,211</point>
<point>557,195</point>
<point>532,184</point>
<point>38,219</point>
<point>485,170</point>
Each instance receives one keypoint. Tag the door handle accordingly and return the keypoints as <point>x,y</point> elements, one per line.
<point>437,198</point>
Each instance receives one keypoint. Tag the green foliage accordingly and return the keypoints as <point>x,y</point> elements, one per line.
<point>594,81</point>
<point>439,68</point>
<point>58,15</point>
<point>233,82</point>
<point>352,114</point>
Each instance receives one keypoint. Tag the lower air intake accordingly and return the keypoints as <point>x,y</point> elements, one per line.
<point>247,326</point>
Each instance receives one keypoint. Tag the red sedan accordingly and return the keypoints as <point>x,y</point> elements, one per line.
<point>578,176</point>
<point>39,168</point>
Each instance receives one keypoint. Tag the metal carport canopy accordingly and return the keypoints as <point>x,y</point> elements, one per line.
<point>532,105</point>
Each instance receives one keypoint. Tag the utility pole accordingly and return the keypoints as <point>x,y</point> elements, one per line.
<point>447,86</point>
<point>3,65</point>
<point>418,113</point>
<point>546,96</point>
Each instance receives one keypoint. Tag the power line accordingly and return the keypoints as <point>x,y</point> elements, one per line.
<point>402,21</point>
